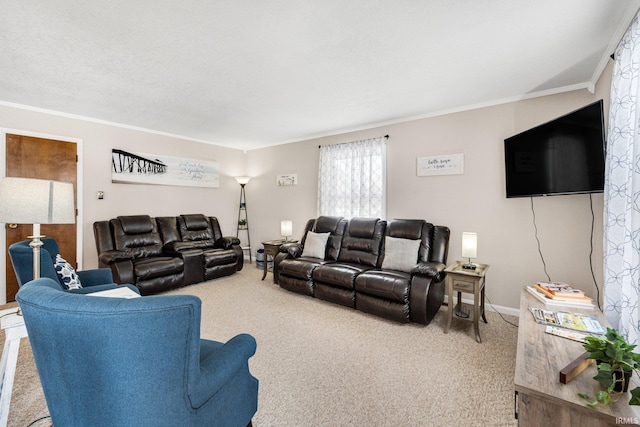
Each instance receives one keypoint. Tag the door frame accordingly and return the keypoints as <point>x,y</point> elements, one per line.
<point>79,196</point>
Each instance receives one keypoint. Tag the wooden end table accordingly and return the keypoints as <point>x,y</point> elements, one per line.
<point>461,280</point>
<point>272,247</point>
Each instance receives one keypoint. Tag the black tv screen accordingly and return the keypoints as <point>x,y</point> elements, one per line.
<point>563,156</point>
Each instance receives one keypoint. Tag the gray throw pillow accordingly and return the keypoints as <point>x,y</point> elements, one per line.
<point>400,254</point>
<point>315,244</point>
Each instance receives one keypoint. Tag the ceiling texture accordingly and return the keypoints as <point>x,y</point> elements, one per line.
<point>247,74</point>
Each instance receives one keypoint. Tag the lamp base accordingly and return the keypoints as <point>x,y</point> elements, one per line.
<point>468,266</point>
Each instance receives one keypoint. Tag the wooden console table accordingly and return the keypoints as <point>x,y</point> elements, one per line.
<point>541,400</point>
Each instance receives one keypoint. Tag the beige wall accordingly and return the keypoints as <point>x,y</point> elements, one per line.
<point>474,201</point>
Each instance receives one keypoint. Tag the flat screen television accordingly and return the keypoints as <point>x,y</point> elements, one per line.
<point>563,156</point>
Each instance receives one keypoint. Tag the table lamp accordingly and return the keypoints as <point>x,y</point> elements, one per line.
<point>286,229</point>
<point>36,201</point>
<point>469,248</point>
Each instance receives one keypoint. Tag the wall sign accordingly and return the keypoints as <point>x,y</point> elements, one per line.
<point>446,164</point>
<point>287,179</point>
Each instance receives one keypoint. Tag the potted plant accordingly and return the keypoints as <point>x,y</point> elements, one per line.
<point>615,361</point>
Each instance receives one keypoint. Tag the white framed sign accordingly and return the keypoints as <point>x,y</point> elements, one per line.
<point>446,164</point>
<point>287,179</point>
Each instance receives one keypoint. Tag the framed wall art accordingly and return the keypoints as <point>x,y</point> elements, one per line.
<point>141,168</point>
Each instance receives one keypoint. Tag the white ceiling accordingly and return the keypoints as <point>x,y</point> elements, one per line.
<point>246,74</point>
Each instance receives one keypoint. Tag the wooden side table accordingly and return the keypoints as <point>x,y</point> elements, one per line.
<point>469,281</point>
<point>272,247</point>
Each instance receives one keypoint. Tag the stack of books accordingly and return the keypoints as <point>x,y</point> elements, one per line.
<point>560,294</point>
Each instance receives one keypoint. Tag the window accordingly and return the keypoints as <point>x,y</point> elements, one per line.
<point>352,179</point>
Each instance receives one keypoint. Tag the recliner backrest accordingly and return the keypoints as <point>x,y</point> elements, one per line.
<point>434,245</point>
<point>362,242</point>
<point>335,225</point>
<point>196,228</point>
<point>137,235</point>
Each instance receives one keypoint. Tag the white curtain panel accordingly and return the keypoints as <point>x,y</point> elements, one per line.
<point>352,179</point>
<point>622,191</point>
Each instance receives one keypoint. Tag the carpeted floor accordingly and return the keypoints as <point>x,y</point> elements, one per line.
<point>321,364</point>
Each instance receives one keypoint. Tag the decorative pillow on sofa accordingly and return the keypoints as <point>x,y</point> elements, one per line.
<point>315,244</point>
<point>400,254</point>
<point>67,274</point>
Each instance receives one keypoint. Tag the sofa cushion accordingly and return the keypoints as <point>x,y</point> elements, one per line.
<point>300,268</point>
<point>315,245</point>
<point>149,268</point>
<point>67,274</point>
<point>400,254</point>
<point>389,285</point>
<point>338,274</point>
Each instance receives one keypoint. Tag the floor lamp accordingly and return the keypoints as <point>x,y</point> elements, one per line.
<point>36,201</point>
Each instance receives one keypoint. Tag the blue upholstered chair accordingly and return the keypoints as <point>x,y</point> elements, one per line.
<point>135,362</point>
<point>21,255</point>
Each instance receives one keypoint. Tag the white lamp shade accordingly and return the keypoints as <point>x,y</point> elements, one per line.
<point>469,245</point>
<point>286,228</point>
<point>242,180</point>
<point>36,201</point>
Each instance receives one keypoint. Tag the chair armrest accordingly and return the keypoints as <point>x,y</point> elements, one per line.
<point>293,249</point>
<point>227,242</point>
<point>110,257</point>
<point>98,288</point>
<point>174,248</point>
<point>98,276</point>
<point>435,270</point>
<point>221,366</point>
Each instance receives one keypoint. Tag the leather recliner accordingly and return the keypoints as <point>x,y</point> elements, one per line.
<point>413,295</point>
<point>292,271</point>
<point>220,255</point>
<point>135,254</point>
<point>158,254</point>
<point>361,274</point>
<point>360,251</point>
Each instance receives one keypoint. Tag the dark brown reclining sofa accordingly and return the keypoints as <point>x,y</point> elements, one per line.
<point>158,254</point>
<point>393,270</point>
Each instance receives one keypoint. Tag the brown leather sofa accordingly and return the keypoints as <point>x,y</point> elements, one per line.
<point>158,254</point>
<point>394,270</point>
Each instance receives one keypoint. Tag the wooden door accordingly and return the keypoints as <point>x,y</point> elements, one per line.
<point>30,157</point>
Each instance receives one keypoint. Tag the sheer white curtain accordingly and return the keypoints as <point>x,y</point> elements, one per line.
<point>622,191</point>
<point>352,179</point>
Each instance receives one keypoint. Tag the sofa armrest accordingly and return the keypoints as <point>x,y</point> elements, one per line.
<point>227,242</point>
<point>221,367</point>
<point>109,257</point>
<point>97,276</point>
<point>175,248</point>
<point>434,270</point>
<point>293,249</point>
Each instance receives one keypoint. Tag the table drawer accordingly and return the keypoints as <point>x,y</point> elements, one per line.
<point>463,285</point>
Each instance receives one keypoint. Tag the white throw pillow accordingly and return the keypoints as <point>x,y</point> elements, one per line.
<point>67,273</point>
<point>315,245</point>
<point>400,254</point>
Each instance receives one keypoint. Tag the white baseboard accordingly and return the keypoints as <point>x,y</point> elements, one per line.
<point>490,307</point>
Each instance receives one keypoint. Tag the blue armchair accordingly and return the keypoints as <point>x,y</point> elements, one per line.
<point>135,362</point>
<point>21,255</point>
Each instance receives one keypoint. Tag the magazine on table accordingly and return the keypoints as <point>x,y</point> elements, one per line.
<point>575,321</point>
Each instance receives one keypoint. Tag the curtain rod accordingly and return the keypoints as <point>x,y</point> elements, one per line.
<point>385,137</point>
